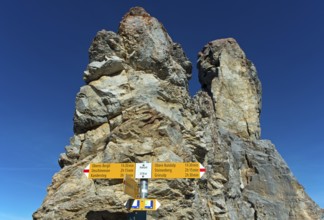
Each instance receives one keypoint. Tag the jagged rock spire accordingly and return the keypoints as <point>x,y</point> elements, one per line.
<point>135,107</point>
<point>150,48</point>
<point>118,68</point>
<point>232,81</point>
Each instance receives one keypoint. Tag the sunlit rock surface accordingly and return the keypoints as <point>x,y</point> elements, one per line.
<point>232,81</point>
<point>135,107</point>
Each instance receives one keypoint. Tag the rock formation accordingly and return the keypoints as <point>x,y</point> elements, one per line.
<point>234,86</point>
<point>135,107</point>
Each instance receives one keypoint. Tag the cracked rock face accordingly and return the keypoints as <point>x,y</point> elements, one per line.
<point>232,81</point>
<point>135,107</point>
<point>150,48</point>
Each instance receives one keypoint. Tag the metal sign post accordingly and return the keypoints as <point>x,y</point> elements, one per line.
<point>143,188</point>
<point>137,215</point>
<point>144,171</point>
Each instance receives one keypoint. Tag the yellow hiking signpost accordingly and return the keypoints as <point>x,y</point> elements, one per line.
<point>174,170</point>
<point>131,187</point>
<point>109,170</point>
<point>143,171</point>
<point>142,204</point>
<point>155,170</point>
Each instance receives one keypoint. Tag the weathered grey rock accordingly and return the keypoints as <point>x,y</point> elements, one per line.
<point>94,141</point>
<point>90,110</point>
<point>106,44</point>
<point>142,112</point>
<point>232,80</point>
<point>109,66</point>
<point>151,49</point>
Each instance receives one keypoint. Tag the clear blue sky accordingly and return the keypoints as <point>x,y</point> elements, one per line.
<point>43,52</point>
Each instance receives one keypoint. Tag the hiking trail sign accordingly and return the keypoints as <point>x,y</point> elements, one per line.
<point>131,187</point>
<point>173,170</point>
<point>155,170</point>
<point>109,170</point>
<point>143,171</point>
<point>142,204</point>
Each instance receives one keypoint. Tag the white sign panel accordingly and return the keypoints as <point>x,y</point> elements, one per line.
<point>143,170</point>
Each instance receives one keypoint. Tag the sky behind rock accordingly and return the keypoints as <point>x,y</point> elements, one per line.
<point>43,51</point>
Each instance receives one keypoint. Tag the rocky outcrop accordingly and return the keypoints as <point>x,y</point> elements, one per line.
<point>232,81</point>
<point>135,107</point>
<point>151,49</point>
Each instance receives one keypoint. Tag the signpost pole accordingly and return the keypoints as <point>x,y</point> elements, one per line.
<point>143,194</point>
<point>143,188</point>
<point>140,215</point>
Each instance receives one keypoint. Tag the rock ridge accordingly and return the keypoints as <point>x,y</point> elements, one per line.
<point>135,107</point>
